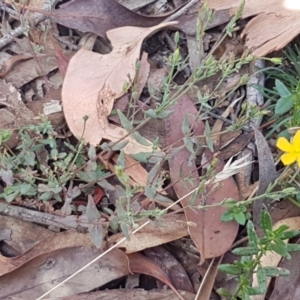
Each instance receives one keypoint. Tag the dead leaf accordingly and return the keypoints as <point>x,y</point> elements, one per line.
<point>236,146</point>
<point>42,273</point>
<point>288,287</point>
<point>260,36</point>
<point>93,81</point>
<point>12,61</point>
<point>56,241</point>
<point>99,16</point>
<point>267,174</point>
<point>169,228</point>
<point>139,263</point>
<point>142,75</point>
<point>25,71</point>
<point>125,294</point>
<point>208,281</point>
<point>171,266</point>
<point>23,235</point>
<point>211,236</point>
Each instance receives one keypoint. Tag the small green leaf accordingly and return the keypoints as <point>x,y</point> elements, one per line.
<point>227,216</point>
<point>252,236</point>
<point>266,222</point>
<point>262,279</point>
<point>281,89</point>
<point>151,113</point>
<point>106,185</point>
<point>292,247</point>
<point>142,156</point>
<point>285,104</point>
<point>164,114</point>
<point>224,293</point>
<point>96,234</point>
<point>152,175</point>
<point>274,271</point>
<point>124,121</point>
<point>140,139</point>
<point>245,251</point>
<point>124,229</point>
<point>240,217</point>
<point>280,250</point>
<point>119,145</point>
<point>289,234</point>
<point>92,212</point>
<point>150,191</point>
<point>121,161</point>
<point>185,128</point>
<point>230,269</point>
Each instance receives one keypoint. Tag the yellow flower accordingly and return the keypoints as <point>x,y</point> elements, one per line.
<point>292,150</point>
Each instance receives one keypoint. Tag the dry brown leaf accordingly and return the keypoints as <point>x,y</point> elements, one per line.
<point>126,294</point>
<point>267,175</point>
<point>23,235</point>
<point>174,270</point>
<point>208,281</point>
<point>93,81</point>
<point>170,228</point>
<point>211,236</point>
<point>99,16</point>
<point>58,241</point>
<point>288,287</point>
<point>272,259</point>
<point>42,273</point>
<point>260,36</point>
<point>141,264</point>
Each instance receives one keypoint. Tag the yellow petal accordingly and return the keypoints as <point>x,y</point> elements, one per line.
<point>289,158</point>
<point>296,141</point>
<point>284,145</point>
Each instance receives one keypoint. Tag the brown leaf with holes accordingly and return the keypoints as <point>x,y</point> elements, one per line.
<point>260,36</point>
<point>93,81</point>
<point>211,236</point>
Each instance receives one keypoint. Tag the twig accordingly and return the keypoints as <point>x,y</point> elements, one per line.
<point>36,18</point>
<point>10,11</point>
<point>183,11</point>
<point>35,216</point>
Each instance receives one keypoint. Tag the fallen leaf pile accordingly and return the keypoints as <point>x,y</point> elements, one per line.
<point>100,57</point>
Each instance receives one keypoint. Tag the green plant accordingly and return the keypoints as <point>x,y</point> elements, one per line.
<point>250,262</point>
<point>285,97</point>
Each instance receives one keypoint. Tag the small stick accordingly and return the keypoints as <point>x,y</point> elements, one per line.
<point>36,216</point>
<point>183,11</point>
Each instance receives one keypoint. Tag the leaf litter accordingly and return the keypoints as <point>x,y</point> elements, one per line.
<point>92,84</point>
